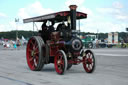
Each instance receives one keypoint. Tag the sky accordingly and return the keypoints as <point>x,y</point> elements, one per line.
<point>103,15</point>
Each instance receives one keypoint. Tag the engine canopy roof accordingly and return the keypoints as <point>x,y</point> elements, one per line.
<point>57,17</point>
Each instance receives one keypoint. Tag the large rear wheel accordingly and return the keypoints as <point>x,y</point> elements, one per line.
<point>60,62</point>
<point>88,61</point>
<point>35,53</point>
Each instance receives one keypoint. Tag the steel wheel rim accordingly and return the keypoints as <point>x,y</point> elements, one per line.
<point>88,62</point>
<point>32,54</point>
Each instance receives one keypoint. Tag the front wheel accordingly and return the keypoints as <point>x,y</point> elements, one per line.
<point>88,61</point>
<point>60,62</point>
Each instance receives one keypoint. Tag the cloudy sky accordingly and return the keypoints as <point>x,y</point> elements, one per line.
<point>103,15</point>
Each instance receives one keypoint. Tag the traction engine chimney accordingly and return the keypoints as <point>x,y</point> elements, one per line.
<point>73,16</point>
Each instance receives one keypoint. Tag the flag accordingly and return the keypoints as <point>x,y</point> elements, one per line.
<point>23,38</point>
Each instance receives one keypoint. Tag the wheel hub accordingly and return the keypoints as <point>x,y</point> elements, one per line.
<point>89,61</point>
<point>58,62</point>
<point>32,53</point>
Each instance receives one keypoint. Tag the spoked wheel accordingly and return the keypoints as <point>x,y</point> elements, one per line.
<point>60,62</point>
<point>34,53</point>
<point>88,61</point>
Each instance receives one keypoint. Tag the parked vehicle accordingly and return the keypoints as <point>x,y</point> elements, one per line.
<point>60,46</point>
<point>89,41</point>
<point>112,40</point>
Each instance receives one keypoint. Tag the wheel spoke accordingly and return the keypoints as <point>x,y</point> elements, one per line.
<point>62,62</point>
<point>37,59</point>
<point>90,60</point>
<point>36,52</point>
<point>90,66</point>
<point>36,48</point>
<point>89,54</point>
<point>35,63</point>
<point>87,65</point>
<point>31,59</point>
<point>60,68</point>
<point>61,57</point>
<point>32,43</point>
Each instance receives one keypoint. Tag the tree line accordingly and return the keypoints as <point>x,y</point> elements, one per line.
<point>28,34</point>
<point>12,34</point>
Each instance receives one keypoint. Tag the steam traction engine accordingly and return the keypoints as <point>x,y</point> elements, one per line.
<point>61,46</point>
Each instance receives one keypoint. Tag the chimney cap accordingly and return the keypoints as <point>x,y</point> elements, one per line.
<point>73,7</point>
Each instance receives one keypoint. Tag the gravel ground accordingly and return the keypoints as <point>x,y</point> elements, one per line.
<point>111,69</point>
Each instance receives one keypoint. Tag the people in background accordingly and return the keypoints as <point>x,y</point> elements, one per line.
<point>97,43</point>
<point>94,43</point>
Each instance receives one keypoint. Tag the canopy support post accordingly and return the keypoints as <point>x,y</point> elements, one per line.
<point>79,27</point>
<point>33,29</point>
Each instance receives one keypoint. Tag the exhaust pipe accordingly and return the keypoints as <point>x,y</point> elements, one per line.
<point>73,16</point>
